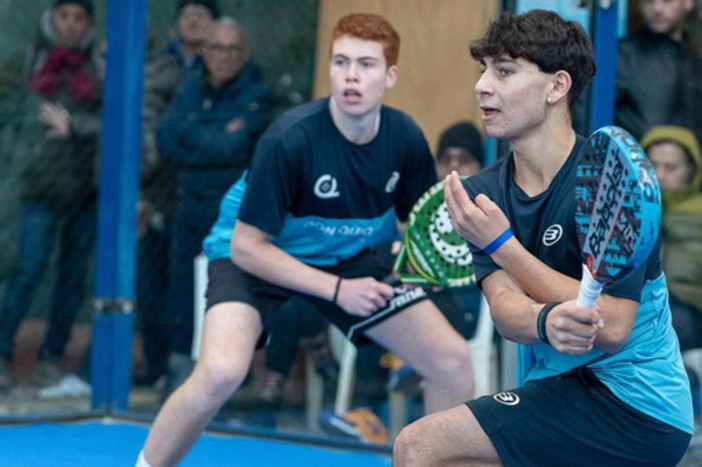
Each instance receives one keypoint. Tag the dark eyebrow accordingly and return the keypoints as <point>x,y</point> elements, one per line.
<point>504,60</point>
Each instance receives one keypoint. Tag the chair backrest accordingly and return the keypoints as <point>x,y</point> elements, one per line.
<point>199,310</point>
<point>483,353</point>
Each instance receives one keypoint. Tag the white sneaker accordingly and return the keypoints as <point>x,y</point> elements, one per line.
<point>69,386</point>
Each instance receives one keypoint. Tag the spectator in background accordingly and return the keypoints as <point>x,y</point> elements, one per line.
<point>207,135</point>
<point>461,148</point>
<point>659,51</point>
<point>675,154</point>
<point>163,74</point>
<point>166,70</point>
<point>51,91</point>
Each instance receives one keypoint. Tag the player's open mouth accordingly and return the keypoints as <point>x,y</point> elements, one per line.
<point>351,95</point>
<point>488,112</point>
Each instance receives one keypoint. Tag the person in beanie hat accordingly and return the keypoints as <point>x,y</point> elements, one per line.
<point>165,70</point>
<point>86,4</point>
<point>50,96</point>
<point>675,154</point>
<point>460,149</point>
<point>211,5</point>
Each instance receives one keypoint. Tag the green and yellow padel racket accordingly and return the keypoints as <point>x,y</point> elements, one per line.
<point>435,251</point>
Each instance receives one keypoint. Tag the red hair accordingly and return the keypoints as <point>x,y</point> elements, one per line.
<point>370,27</point>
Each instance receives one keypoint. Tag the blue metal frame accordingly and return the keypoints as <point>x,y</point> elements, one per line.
<point>119,186</point>
<point>604,38</point>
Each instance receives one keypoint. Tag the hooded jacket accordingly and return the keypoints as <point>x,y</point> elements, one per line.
<point>682,220</point>
<point>52,169</point>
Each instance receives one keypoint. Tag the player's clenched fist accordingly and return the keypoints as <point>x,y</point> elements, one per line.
<point>363,296</point>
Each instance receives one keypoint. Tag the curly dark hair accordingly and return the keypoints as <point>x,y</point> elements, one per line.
<point>545,39</point>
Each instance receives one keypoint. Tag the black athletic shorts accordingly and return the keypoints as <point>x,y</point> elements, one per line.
<point>574,420</point>
<point>228,283</point>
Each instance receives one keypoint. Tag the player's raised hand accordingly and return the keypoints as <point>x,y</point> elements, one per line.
<point>363,296</point>
<point>479,222</point>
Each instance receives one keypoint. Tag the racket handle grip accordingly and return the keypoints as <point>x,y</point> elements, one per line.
<point>589,289</point>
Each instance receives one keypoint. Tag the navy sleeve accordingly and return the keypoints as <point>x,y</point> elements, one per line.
<point>419,171</point>
<point>271,185</point>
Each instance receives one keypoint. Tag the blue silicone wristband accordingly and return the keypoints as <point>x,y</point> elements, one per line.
<point>498,242</point>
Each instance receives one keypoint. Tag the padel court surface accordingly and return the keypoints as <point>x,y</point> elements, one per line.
<point>108,442</point>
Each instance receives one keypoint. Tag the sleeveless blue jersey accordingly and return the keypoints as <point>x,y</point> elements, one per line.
<point>647,373</point>
<point>322,198</point>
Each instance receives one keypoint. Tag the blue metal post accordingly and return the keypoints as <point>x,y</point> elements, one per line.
<point>604,38</point>
<point>119,185</point>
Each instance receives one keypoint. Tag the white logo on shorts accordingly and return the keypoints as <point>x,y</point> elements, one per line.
<point>506,398</point>
<point>552,234</point>
<point>325,187</point>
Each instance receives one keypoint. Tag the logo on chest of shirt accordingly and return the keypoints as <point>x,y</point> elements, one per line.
<point>552,235</point>
<point>326,187</point>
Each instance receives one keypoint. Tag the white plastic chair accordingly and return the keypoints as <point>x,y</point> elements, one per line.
<point>200,268</point>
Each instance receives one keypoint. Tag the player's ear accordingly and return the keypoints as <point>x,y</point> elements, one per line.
<point>560,85</point>
<point>391,77</point>
<point>689,5</point>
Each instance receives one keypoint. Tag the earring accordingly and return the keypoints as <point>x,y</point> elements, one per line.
<point>549,100</point>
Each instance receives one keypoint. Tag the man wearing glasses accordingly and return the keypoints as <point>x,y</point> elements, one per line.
<point>207,135</point>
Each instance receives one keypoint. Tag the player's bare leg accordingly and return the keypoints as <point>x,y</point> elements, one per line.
<point>231,331</point>
<point>425,340</point>
<point>451,437</point>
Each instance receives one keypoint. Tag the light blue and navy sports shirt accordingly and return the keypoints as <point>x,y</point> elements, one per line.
<point>322,198</point>
<point>647,373</point>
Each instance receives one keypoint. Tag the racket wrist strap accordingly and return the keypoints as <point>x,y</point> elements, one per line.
<point>541,321</point>
<point>498,242</point>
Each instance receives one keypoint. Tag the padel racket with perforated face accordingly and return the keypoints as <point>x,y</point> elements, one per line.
<point>435,251</point>
<point>618,209</point>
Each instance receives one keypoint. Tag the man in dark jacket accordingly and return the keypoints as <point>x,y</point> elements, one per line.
<point>50,94</point>
<point>207,134</point>
<point>658,73</point>
<point>164,72</point>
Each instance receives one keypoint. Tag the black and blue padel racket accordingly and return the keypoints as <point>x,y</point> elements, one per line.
<point>618,209</point>
<point>437,254</point>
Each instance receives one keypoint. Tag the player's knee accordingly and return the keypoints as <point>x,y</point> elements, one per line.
<point>220,379</point>
<point>453,364</point>
<point>403,451</point>
<point>410,447</point>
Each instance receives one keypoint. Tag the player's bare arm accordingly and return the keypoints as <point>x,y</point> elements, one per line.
<point>252,250</point>
<point>572,329</point>
<point>578,329</point>
<point>482,222</point>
